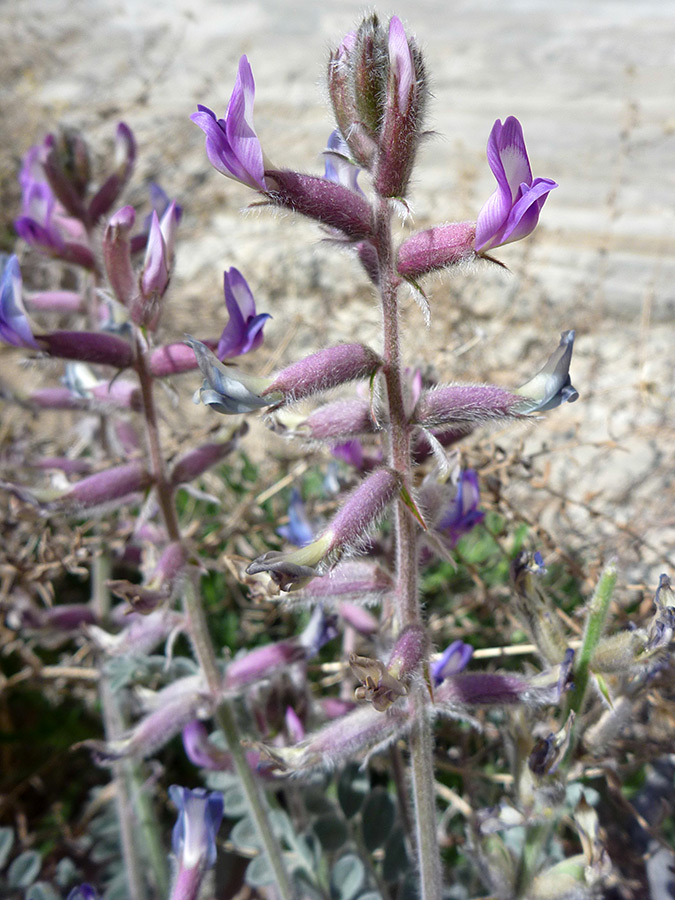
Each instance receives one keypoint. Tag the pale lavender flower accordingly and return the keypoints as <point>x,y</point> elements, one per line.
<point>552,385</point>
<point>232,145</point>
<point>243,332</point>
<point>338,163</point>
<point>194,837</point>
<point>226,389</point>
<point>463,514</point>
<point>299,529</point>
<point>15,328</point>
<point>512,212</point>
<point>454,659</point>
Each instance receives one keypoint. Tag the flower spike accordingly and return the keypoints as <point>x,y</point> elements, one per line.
<point>512,212</point>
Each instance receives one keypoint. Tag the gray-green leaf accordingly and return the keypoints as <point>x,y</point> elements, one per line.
<point>346,879</point>
<point>6,844</point>
<point>24,869</point>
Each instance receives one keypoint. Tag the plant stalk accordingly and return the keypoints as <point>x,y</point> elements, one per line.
<point>201,639</point>
<point>407,597</point>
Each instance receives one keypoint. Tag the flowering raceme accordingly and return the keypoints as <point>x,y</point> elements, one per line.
<point>512,212</point>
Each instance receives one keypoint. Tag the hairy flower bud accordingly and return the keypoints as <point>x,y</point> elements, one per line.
<point>324,370</point>
<point>403,115</point>
<point>117,255</point>
<point>325,201</point>
<point>360,731</point>
<point>466,405</point>
<point>436,248</point>
<point>87,346</point>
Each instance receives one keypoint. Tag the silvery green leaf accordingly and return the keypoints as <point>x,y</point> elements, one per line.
<point>235,802</point>
<point>347,877</point>
<point>244,835</point>
<point>353,785</point>
<point>24,869</point>
<point>259,872</point>
<point>377,818</point>
<point>6,844</point>
<point>41,890</point>
<point>66,872</point>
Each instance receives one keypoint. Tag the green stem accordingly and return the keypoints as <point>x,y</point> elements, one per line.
<point>537,835</point>
<point>595,623</point>
<point>407,589</point>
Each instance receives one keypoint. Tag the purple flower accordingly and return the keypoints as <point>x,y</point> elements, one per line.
<point>339,166</point>
<point>232,145</point>
<point>194,834</point>
<point>45,223</point>
<point>464,514</point>
<point>299,530</point>
<point>243,332</point>
<point>512,212</point>
<point>454,659</point>
<point>15,328</point>
<point>83,892</point>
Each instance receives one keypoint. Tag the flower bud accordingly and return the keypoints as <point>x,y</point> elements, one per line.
<point>331,204</point>
<point>88,346</point>
<point>343,99</point>
<point>117,256</point>
<point>324,370</point>
<point>360,731</point>
<point>502,688</point>
<point>173,708</point>
<point>111,486</point>
<point>343,419</point>
<point>66,165</point>
<point>125,157</point>
<point>403,116</point>
<point>465,405</point>
<point>436,248</point>
<point>362,508</point>
<point>198,461</point>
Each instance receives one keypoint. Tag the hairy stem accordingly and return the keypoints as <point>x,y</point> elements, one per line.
<point>407,598</point>
<point>201,639</point>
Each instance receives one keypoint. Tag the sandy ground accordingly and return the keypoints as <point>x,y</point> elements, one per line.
<point>592,84</point>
